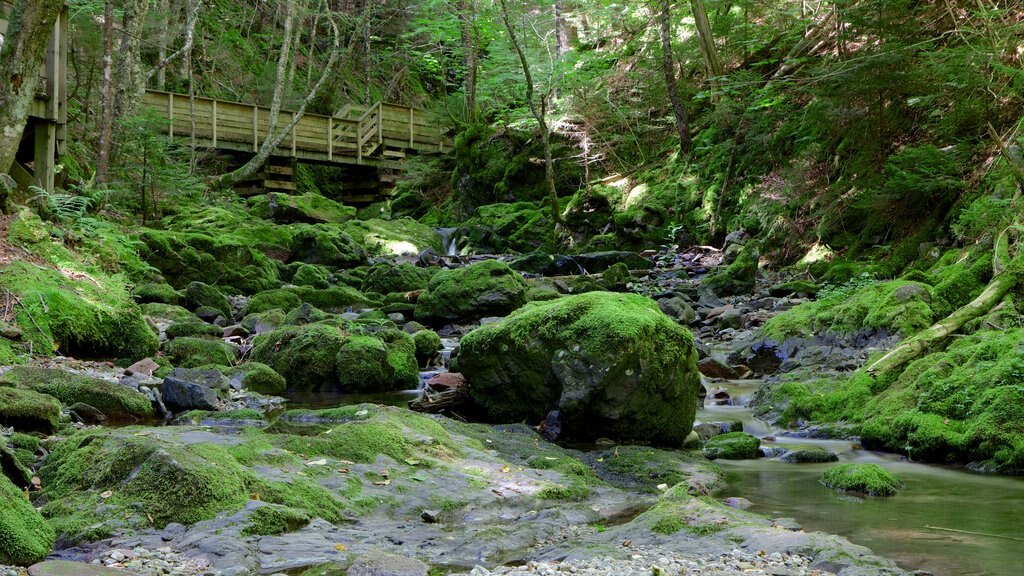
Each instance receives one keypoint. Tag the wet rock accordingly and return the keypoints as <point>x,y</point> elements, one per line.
<point>145,367</point>
<point>82,412</point>
<point>715,369</point>
<point>678,309</point>
<point>810,455</point>
<point>738,503</point>
<point>235,330</point>
<point>12,468</point>
<point>187,390</point>
<point>763,358</point>
<point>732,446</point>
<point>718,397</point>
<point>551,427</point>
<point>431,516</point>
<point>446,381</point>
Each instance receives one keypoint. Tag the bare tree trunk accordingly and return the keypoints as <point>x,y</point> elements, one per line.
<point>539,113</point>
<point>161,51</point>
<point>129,83</point>
<point>190,33</point>
<point>467,15</point>
<point>274,135</point>
<point>561,31</point>
<point>106,127</point>
<point>707,41</point>
<point>670,79</point>
<point>23,52</point>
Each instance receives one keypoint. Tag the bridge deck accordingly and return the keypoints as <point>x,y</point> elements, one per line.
<point>377,135</point>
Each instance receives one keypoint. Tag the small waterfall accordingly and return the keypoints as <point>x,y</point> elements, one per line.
<point>449,240</point>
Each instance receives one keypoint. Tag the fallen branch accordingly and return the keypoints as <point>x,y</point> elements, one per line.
<point>972,533</point>
<point>1005,277</point>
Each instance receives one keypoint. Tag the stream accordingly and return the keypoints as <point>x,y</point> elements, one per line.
<point>986,512</point>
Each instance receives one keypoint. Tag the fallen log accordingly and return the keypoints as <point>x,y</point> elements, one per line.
<point>1007,273</point>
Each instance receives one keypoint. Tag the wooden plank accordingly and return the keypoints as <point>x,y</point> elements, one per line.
<point>255,128</point>
<point>279,184</point>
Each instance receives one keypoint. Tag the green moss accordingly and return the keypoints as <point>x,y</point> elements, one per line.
<point>305,355</point>
<point>328,245</point>
<point>334,299</point>
<point>312,276</point>
<point>114,400</point>
<point>271,300</point>
<point>89,317</point>
<point>896,306</point>
<point>24,537</point>
<point>234,224</point>
<point>488,288</point>
<point>189,352</point>
<point>428,344</point>
<point>574,492</point>
<point>28,410</point>
<point>194,328</point>
<point>740,276</point>
<point>167,312</point>
<point>870,479</point>
<point>388,278</point>
<point>200,295</point>
<point>188,257</point>
<point>261,378</point>
<point>794,287</point>
<point>401,236</point>
<point>590,348</point>
<point>309,207</point>
<point>732,446</point>
<point>271,520</point>
<point>150,292</point>
<point>363,365</point>
<point>499,228</point>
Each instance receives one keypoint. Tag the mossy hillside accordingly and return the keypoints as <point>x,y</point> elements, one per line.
<point>24,537</point>
<point>870,479</point>
<point>236,224</point>
<point>386,278</point>
<point>27,410</point>
<point>76,314</point>
<point>114,400</point>
<point>401,236</point>
<point>897,306</point>
<point>191,352</point>
<point>612,364</point>
<point>185,257</point>
<point>488,288</point>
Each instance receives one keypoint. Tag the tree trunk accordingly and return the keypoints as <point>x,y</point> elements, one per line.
<point>23,53</point>
<point>467,10</point>
<point>274,135</point>
<point>190,33</point>
<point>670,79</point>
<point>539,112</point>
<point>561,31</point>
<point>707,41</point>
<point>106,121</point>
<point>161,50</point>
<point>129,83</point>
<point>1007,275</point>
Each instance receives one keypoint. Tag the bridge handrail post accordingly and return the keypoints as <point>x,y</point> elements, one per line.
<point>380,123</point>
<point>359,140</point>
<point>170,116</point>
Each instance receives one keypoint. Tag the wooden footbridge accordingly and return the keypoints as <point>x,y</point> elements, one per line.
<point>377,138</point>
<point>371,143</point>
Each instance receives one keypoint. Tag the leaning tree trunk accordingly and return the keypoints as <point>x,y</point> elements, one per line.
<point>23,52</point>
<point>1007,273</point>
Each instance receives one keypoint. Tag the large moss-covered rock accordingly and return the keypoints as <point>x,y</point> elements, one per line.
<point>739,277</point>
<point>305,355</point>
<point>28,411</point>
<point>187,257</point>
<point>398,237</point>
<point>309,208</point>
<point>385,361</point>
<point>82,316</point>
<point>327,245</point>
<point>611,364</point>
<point>732,446</point>
<point>428,344</point>
<point>113,400</point>
<point>488,288</point>
<point>869,479</point>
<point>202,295</point>
<point>279,299</point>
<point>24,537</point>
<point>189,352</point>
<point>311,275</point>
<point>386,278</point>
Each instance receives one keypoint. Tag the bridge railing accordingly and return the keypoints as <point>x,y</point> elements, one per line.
<point>355,134</point>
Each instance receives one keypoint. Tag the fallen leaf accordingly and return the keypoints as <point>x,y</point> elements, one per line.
<point>143,433</point>
<point>36,482</point>
<point>343,470</point>
<point>505,469</point>
<point>550,458</point>
<point>382,483</point>
<point>662,487</point>
<point>412,462</point>
<point>254,496</point>
<point>106,494</point>
<point>340,547</point>
<point>150,518</point>
<point>320,462</point>
<point>600,459</point>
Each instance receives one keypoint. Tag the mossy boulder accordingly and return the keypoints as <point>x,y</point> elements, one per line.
<point>794,287</point>
<point>617,278</point>
<point>152,292</point>
<point>870,479</point>
<point>25,538</point>
<point>739,277</point>
<point>327,245</point>
<point>113,400</point>
<point>272,519</point>
<point>201,295</point>
<point>386,278</point>
<point>196,328</point>
<point>498,228</point>
<point>270,300</point>
<point>28,411</point>
<point>188,257</point>
<point>428,344</point>
<point>334,299</point>
<point>312,276</point>
<point>167,312</point>
<point>189,352</point>
<point>305,355</point>
<point>372,363</point>
<point>398,237</point>
<point>310,208</point>
<point>261,378</point>
<point>732,446</point>
<point>611,364</point>
<point>488,288</point>
<point>87,316</point>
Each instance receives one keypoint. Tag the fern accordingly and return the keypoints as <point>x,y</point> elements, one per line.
<point>60,206</point>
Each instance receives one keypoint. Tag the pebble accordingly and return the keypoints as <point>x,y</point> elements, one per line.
<point>163,561</point>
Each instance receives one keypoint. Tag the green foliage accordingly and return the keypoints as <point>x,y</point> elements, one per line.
<point>24,537</point>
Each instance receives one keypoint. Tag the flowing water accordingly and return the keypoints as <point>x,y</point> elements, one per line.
<point>947,521</point>
<point>449,240</point>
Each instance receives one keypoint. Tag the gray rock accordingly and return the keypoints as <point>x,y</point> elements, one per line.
<point>678,309</point>
<point>82,412</point>
<point>180,395</point>
<point>381,564</point>
<point>62,568</point>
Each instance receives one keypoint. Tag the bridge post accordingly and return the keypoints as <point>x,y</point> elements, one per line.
<point>170,116</point>
<point>255,128</point>
<point>330,139</point>
<point>214,119</point>
<point>45,150</point>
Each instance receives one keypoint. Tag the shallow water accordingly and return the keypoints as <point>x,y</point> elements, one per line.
<point>915,528</point>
